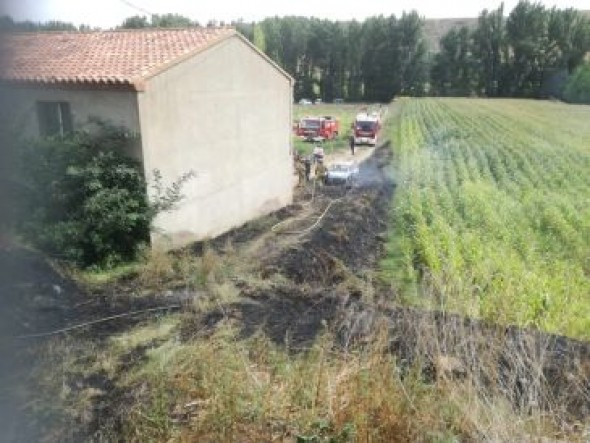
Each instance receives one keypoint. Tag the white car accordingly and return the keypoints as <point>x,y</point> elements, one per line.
<point>342,173</point>
<point>305,101</point>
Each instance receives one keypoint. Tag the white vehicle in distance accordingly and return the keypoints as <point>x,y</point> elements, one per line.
<point>305,101</point>
<point>342,173</point>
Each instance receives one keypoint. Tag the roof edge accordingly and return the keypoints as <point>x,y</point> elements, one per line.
<point>140,82</point>
<point>67,84</point>
<point>266,57</point>
<point>107,31</point>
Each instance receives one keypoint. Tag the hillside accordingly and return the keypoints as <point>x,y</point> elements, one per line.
<point>436,28</point>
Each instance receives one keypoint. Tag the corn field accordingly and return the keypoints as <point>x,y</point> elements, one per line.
<point>492,211</point>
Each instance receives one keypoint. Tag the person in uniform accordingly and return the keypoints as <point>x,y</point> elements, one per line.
<point>307,164</point>
<point>300,168</point>
<point>296,157</point>
<point>351,141</point>
<point>318,154</point>
<point>320,172</point>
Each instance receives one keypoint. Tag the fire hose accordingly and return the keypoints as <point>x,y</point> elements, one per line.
<point>315,224</point>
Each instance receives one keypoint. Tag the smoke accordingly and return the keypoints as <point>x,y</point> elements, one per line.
<point>377,171</point>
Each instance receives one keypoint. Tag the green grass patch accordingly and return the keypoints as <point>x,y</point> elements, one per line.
<point>146,334</point>
<point>99,276</point>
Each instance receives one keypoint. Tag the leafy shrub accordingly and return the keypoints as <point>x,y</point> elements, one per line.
<point>577,89</point>
<point>87,200</point>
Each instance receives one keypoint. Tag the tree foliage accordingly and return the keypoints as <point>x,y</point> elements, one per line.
<point>373,60</point>
<point>8,24</point>
<point>489,50</point>
<point>85,201</point>
<point>528,54</point>
<point>454,69</point>
<point>577,89</point>
<point>158,21</point>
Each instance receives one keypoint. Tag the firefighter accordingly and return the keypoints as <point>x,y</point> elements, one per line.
<point>318,154</point>
<point>320,172</point>
<point>351,141</point>
<point>307,164</point>
<point>300,168</point>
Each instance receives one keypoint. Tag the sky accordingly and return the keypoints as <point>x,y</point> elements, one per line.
<point>109,13</point>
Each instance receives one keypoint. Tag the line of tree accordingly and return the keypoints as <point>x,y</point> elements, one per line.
<point>530,53</point>
<point>7,23</point>
<point>372,60</point>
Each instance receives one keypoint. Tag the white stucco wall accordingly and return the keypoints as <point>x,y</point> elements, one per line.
<point>116,107</point>
<point>226,115</point>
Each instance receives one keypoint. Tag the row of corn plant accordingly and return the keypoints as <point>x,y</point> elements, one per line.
<point>493,210</point>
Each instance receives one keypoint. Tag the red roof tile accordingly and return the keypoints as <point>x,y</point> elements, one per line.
<point>123,57</point>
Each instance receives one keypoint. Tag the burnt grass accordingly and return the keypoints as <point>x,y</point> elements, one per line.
<point>322,276</point>
<point>348,242</point>
<point>350,237</point>
<point>38,299</point>
<point>526,365</point>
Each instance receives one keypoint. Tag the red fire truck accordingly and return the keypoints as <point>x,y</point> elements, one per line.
<point>366,128</point>
<point>317,128</point>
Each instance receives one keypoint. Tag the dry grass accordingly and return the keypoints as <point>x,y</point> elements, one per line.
<point>368,378</point>
<point>504,386</point>
<point>162,269</point>
<point>413,377</point>
<point>158,268</point>
<point>144,335</point>
<point>410,377</point>
<point>226,389</point>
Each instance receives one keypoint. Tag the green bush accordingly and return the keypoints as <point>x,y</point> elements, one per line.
<point>87,201</point>
<point>577,89</point>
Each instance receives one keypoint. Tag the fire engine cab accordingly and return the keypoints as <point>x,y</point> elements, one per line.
<point>317,128</point>
<point>366,128</point>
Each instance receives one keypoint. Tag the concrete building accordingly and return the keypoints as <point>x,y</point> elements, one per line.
<point>199,99</point>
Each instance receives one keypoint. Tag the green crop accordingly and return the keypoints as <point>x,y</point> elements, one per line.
<point>491,217</point>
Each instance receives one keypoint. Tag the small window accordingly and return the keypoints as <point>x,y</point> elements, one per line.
<point>55,118</point>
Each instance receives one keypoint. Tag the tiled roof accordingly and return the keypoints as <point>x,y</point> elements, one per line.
<point>103,58</point>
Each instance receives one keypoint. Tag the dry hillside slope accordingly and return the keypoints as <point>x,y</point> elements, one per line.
<point>436,28</point>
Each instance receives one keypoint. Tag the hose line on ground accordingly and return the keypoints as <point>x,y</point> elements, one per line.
<point>315,224</point>
<point>94,322</point>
